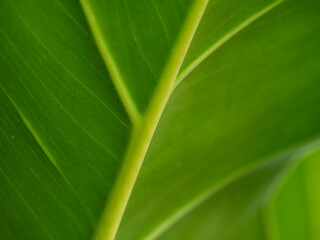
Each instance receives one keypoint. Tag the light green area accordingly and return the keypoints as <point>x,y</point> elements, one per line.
<point>238,212</point>
<point>251,99</point>
<point>312,179</point>
<point>297,205</point>
<point>216,100</point>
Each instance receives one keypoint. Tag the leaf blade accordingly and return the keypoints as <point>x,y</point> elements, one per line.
<point>55,78</point>
<point>255,102</point>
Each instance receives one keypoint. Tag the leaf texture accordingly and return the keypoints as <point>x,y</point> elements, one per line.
<point>64,130</point>
<point>250,99</point>
<point>217,100</point>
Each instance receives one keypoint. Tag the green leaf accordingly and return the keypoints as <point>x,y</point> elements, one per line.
<point>217,100</point>
<point>238,212</point>
<point>63,128</point>
<point>296,206</point>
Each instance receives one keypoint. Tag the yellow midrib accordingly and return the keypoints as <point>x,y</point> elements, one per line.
<point>143,127</point>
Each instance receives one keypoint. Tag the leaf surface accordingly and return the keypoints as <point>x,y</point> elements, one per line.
<point>215,98</point>
<point>63,128</point>
<point>238,212</point>
<point>253,97</point>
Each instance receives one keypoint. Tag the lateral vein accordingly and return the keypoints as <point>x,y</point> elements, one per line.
<point>306,148</point>
<point>223,40</point>
<point>110,64</point>
<point>34,133</point>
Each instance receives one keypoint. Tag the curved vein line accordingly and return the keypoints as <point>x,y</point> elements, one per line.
<point>270,199</point>
<point>43,147</point>
<point>48,154</point>
<point>307,145</point>
<point>34,133</point>
<point>223,40</point>
<point>110,64</point>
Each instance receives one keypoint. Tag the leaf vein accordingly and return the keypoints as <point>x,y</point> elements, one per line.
<point>224,40</point>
